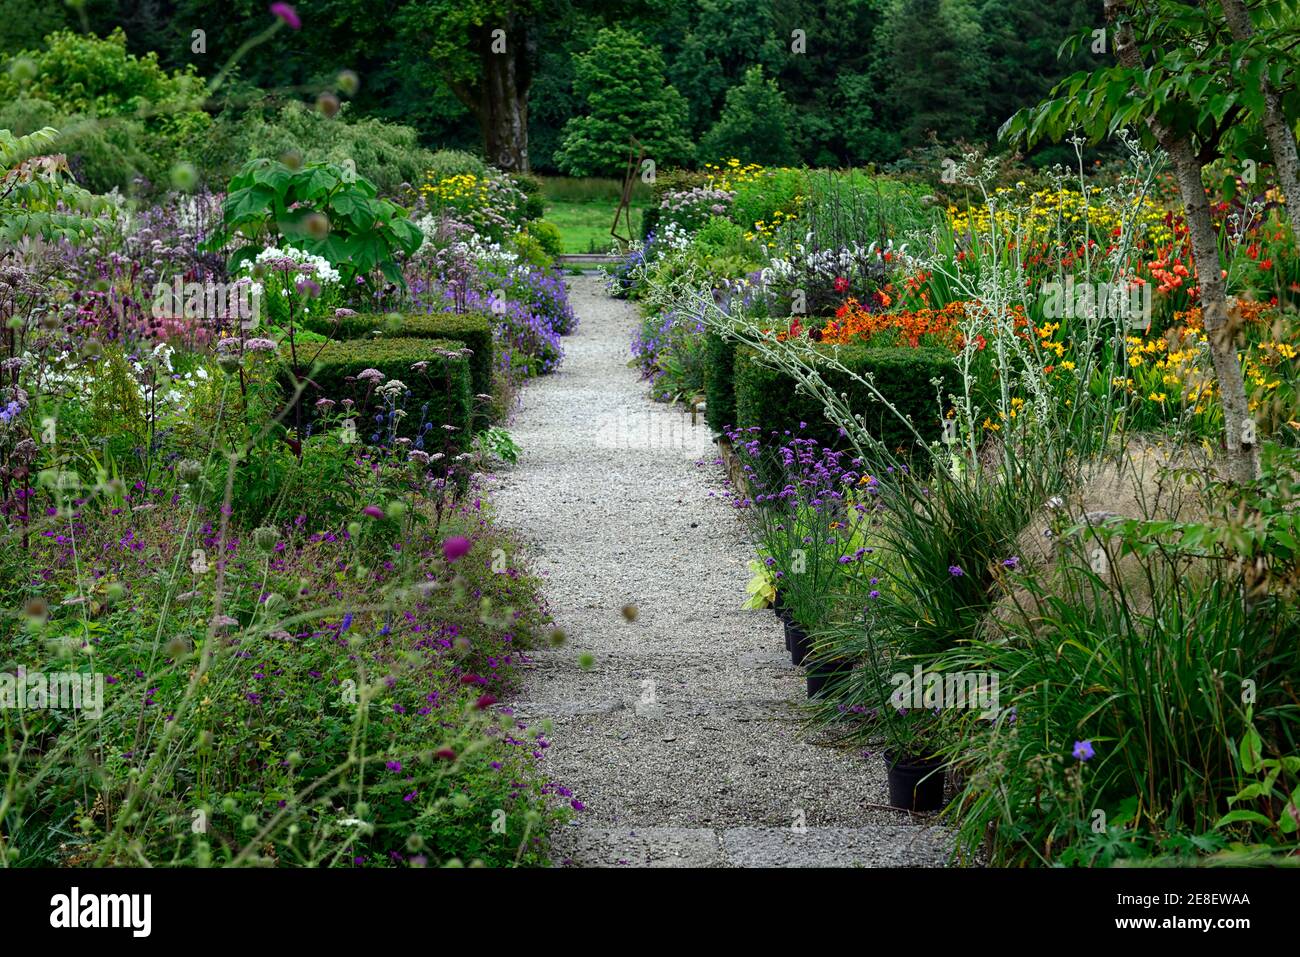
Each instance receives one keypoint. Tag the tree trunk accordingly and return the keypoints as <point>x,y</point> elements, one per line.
<point>1239,428</point>
<point>503,114</point>
<point>499,96</point>
<point>1281,141</point>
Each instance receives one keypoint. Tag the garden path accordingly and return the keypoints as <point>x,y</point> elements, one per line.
<point>683,739</point>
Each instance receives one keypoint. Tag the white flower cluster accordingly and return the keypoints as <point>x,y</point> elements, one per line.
<point>322,271</point>
<point>153,378</point>
<point>827,262</point>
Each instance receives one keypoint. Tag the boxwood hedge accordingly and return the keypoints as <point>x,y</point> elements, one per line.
<point>766,397</point>
<point>719,384</point>
<point>472,329</point>
<point>441,391</point>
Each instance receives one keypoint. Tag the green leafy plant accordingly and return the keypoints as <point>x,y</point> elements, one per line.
<point>321,208</point>
<point>761,588</point>
<point>37,199</point>
<point>1269,791</point>
<point>496,441</point>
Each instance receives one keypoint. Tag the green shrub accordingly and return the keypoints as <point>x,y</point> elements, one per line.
<point>766,397</point>
<point>758,200</point>
<point>388,154</point>
<point>547,236</point>
<point>719,381</point>
<point>440,391</point>
<point>445,164</point>
<point>531,186</point>
<point>755,125</point>
<point>142,119</point>
<point>101,155</point>
<point>472,330</point>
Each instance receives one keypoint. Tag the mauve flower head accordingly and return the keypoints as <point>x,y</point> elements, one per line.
<point>1083,750</point>
<point>288,14</point>
<point>260,345</point>
<point>1013,562</point>
<point>455,547</point>
<point>374,511</point>
<point>955,571</point>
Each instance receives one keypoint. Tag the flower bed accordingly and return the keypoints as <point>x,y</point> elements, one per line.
<point>978,455</point>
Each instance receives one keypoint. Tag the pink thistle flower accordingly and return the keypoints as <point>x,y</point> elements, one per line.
<point>288,14</point>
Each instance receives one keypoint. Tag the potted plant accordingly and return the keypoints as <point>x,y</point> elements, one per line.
<point>913,737</point>
<point>913,767</point>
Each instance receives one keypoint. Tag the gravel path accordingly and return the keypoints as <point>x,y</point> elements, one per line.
<point>684,740</point>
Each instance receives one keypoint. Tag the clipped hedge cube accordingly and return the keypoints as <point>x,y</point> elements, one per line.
<point>473,329</point>
<point>766,397</point>
<point>719,382</point>
<point>441,390</point>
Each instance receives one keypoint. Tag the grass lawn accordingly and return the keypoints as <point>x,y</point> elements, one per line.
<point>583,209</point>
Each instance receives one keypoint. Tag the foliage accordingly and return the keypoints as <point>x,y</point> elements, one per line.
<point>719,381</point>
<point>769,401</point>
<point>322,208</point>
<point>621,81</point>
<point>433,382</point>
<point>36,200</point>
<point>473,331</point>
<point>754,125</point>
<point>93,85</point>
<point>389,153</point>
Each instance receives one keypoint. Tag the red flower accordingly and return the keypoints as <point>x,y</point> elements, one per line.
<point>980,342</point>
<point>841,284</point>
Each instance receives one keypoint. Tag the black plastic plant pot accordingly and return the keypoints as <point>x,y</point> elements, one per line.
<point>824,675</point>
<point>915,784</point>
<point>789,639</point>
<point>799,644</point>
